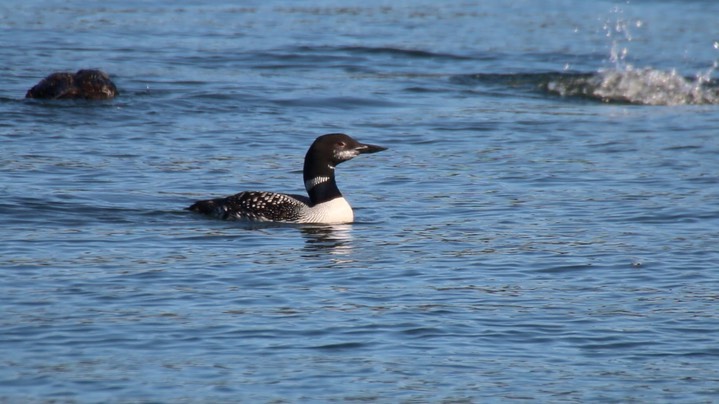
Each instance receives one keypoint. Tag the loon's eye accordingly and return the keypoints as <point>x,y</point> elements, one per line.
<point>341,143</point>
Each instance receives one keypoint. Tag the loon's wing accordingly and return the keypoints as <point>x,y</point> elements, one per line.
<point>254,206</point>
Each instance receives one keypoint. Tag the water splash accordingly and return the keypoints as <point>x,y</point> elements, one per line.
<point>645,86</point>
<point>619,31</point>
<point>623,83</point>
<point>620,81</point>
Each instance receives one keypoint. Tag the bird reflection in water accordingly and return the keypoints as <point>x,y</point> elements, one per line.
<point>333,239</point>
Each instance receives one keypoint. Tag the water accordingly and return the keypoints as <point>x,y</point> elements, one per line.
<point>543,227</point>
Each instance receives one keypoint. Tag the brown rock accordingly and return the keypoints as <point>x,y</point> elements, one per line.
<point>85,84</point>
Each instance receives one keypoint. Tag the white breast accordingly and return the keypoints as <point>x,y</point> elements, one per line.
<point>335,211</point>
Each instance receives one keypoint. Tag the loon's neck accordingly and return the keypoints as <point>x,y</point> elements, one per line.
<point>320,182</point>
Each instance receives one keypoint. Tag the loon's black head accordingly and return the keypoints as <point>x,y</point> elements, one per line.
<point>335,148</point>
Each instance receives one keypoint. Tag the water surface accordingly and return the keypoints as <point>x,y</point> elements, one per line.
<point>543,226</point>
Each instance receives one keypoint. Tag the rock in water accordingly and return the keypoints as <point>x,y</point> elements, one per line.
<point>85,84</point>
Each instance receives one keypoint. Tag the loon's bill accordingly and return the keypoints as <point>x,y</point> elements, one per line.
<point>325,203</point>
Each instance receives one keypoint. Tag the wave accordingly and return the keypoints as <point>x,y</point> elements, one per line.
<point>402,52</point>
<point>645,86</point>
<point>638,86</point>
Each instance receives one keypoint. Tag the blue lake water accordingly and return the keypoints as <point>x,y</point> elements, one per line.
<point>544,226</point>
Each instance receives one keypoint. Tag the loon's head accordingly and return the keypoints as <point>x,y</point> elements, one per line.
<point>324,154</point>
<point>335,148</point>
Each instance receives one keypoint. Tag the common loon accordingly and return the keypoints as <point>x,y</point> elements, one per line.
<point>325,203</point>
